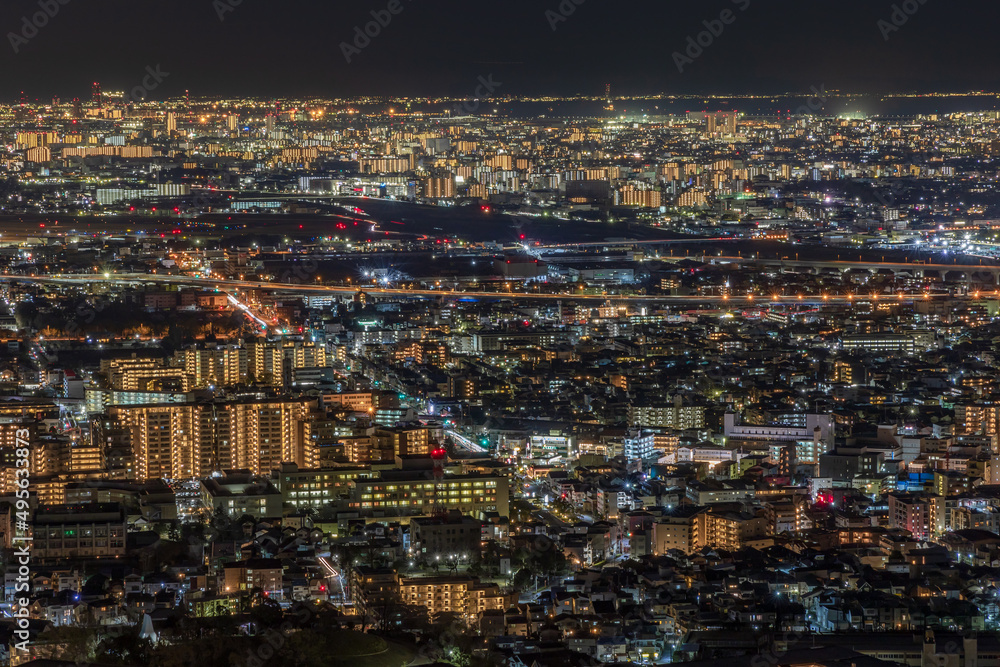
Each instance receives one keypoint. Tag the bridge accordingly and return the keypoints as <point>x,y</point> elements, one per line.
<point>982,273</point>
<point>947,273</point>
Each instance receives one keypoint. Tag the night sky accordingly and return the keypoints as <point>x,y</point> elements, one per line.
<point>292,47</point>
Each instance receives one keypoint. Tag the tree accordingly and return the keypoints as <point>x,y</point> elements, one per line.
<point>491,557</point>
<point>523,578</point>
<point>266,613</point>
<point>125,648</point>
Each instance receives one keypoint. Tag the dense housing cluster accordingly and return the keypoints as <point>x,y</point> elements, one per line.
<point>514,390</point>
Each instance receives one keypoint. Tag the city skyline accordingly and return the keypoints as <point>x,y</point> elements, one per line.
<point>560,333</point>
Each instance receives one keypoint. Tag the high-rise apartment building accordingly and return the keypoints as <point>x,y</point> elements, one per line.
<point>222,366</point>
<point>182,440</point>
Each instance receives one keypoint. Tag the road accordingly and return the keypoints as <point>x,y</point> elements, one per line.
<point>249,312</point>
<point>334,580</point>
<point>719,301</point>
<point>466,443</point>
<point>551,519</point>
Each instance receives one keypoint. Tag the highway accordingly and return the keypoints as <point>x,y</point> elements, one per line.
<point>643,242</point>
<point>744,300</point>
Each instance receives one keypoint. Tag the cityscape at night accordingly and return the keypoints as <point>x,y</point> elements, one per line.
<point>397,335</point>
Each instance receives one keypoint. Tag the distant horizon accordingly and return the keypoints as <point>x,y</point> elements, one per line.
<point>558,48</point>
<point>524,97</point>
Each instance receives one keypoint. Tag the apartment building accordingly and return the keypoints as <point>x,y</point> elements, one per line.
<point>220,366</point>
<point>455,595</point>
<point>922,515</point>
<point>676,415</point>
<point>246,575</point>
<point>182,440</point>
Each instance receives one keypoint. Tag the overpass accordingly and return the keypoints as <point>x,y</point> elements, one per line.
<point>628,243</point>
<point>722,301</point>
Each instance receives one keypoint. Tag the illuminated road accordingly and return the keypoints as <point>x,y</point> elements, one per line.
<point>644,242</point>
<point>466,443</point>
<point>331,571</point>
<point>246,309</point>
<point>719,301</point>
<point>333,577</point>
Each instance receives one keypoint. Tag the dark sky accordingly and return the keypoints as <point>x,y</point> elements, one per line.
<point>292,47</point>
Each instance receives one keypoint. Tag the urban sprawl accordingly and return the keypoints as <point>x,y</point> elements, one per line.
<point>381,382</point>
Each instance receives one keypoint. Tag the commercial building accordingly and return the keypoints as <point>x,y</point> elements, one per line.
<point>892,343</point>
<point>305,487</point>
<point>239,493</point>
<point>94,530</point>
<point>418,492</point>
<point>819,428</point>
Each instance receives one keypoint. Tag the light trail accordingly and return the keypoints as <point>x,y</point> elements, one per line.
<point>466,442</point>
<point>246,309</point>
<point>733,301</point>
